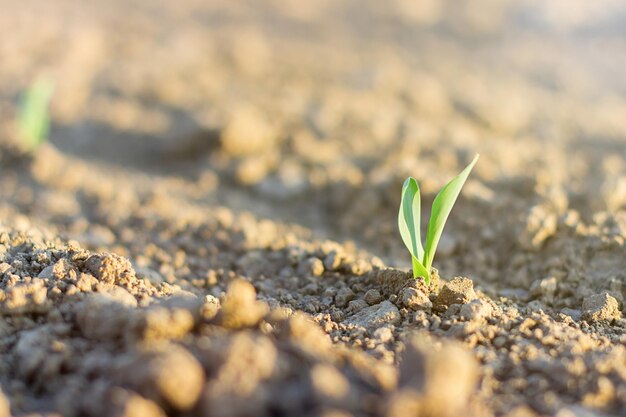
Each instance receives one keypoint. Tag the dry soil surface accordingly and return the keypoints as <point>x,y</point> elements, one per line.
<point>211,230</point>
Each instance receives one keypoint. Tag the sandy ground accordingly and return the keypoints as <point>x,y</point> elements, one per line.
<point>211,229</point>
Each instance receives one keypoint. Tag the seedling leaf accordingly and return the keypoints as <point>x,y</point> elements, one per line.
<point>34,118</point>
<point>420,271</point>
<point>409,219</point>
<point>441,210</point>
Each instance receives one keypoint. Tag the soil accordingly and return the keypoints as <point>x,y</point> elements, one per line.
<point>211,229</point>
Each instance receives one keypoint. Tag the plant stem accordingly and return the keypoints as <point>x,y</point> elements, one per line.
<point>417,266</point>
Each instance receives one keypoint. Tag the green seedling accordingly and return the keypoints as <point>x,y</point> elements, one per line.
<point>409,220</point>
<point>34,116</point>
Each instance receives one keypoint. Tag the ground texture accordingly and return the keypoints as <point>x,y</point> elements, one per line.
<point>211,229</point>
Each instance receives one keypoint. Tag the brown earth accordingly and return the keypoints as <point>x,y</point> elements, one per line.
<point>211,229</point>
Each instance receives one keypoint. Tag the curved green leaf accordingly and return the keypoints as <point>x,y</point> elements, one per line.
<point>442,206</point>
<point>34,118</point>
<point>420,271</point>
<point>409,218</point>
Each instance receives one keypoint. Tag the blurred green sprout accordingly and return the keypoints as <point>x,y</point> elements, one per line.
<point>409,220</point>
<point>34,115</point>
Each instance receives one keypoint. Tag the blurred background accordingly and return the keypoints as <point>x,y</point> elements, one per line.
<point>313,113</point>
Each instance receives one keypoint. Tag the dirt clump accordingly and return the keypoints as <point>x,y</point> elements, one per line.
<point>458,291</point>
<point>425,369</point>
<point>239,308</point>
<point>166,374</point>
<point>600,307</point>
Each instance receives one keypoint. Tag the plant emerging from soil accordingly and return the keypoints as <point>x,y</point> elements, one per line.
<point>409,220</point>
<point>34,118</point>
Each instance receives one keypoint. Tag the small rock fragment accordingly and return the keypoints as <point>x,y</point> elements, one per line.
<point>391,281</point>
<point>102,318</point>
<point>312,266</point>
<point>332,261</point>
<point>426,369</point>
<point>415,299</point>
<point>544,287</point>
<point>5,268</point>
<point>499,341</point>
<point>169,374</point>
<point>252,170</point>
<point>344,296</point>
<point>241,364</point>
<point>373,297</point>
<point>458,291</point>
<point>129,404</point>
<point>600,308</point>
<point>360,267</point>
<point>116,294</point>
<point>383,334</point>
<point>375,316</point>
<point>248,133</point>
<point>25,298</point>
<point>210,307</point>
<point>476,310</point>
<point>404,402</point>
<point>573,313</point>
<point>162,323</point>
<point>111,269</point>
<point>355,306</point>
<point>45,273</point>
<point>303,331</point>
<point>240,307</point>
<point>328,383</point>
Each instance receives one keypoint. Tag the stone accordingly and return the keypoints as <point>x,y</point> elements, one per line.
<point>383,334</point>
<point>573,313</point>
<point>373,297</point>
<point>128,404</point>
<point>332,261</point>
<point>476,310</point>
<point>344,296</point>
<point>426,369</point>
<point>415,299</point>
<point>312,266</point>
<point>392,281</point>
<point>499,341</point>
<point>46,273</point>
<point>111,269</point>
<point>328,383</point>
<point>248,133</point>
<point>375,316</point>
<point>5,268</point>
<point>169,374</point>
<point>163,323</point>
<point>600,308</point>
<point>458,291</point>
<point>240,364</point>
<point>544,287</point>
<point>210,307</point>
<point>357,305</point>
<point>25,298</point>
<point>101,318</point>
<point>240,307</point>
